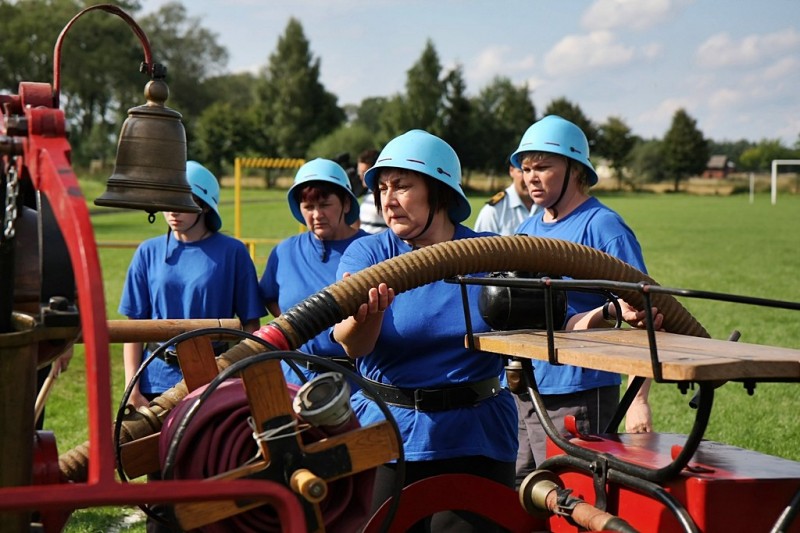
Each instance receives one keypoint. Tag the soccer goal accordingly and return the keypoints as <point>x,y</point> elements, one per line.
<point>775,164</point>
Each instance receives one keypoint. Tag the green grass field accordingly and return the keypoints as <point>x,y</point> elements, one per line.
<point>721,244</point>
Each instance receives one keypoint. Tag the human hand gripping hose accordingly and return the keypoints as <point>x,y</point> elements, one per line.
<point>408,271</point>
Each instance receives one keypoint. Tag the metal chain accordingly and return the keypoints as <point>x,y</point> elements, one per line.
<point>10,212</point>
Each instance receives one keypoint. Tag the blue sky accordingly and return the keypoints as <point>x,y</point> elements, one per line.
<point>733,65</point>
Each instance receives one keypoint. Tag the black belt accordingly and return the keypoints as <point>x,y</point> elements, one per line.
<point>345,362</point>
<point>457,396</point>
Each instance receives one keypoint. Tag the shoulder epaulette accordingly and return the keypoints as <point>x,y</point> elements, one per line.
<point>494,200</point>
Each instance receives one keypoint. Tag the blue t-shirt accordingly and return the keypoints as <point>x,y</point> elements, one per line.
<point>297,268</point>
<point>170,279</point>
<point>595,225</point>
<point>421,344</point>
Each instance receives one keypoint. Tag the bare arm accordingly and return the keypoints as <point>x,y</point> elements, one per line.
<point>631,315</point>
<point>359,333</point>
<point>274,309</point>
<point>639,418</point>
<point>251,325</point>
<point>132,360</point>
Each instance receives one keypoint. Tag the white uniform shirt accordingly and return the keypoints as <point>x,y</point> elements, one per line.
<point>503,213</point>
<point>371,220</point>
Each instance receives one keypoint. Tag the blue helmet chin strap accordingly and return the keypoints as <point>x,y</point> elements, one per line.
<point>563,189</point>
<point>432,202</point>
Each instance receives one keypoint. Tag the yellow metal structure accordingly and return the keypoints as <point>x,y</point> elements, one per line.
<point>256,162</point>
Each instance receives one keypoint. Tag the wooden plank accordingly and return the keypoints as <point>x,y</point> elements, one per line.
<point>164,329</point>
<point>140,457</point>
<point>626,351</point>
<point>193,515</point>
<point>268,397</point>
<point>368,447</point>
<point>198,364</point>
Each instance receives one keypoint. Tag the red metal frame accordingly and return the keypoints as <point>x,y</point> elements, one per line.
<point>479,495</point>
<point>46,162</point>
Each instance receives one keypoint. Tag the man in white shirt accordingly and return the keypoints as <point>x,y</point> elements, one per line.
<point>371,219</point>
<point>506,210</point>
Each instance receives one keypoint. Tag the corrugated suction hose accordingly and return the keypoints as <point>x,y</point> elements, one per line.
<point>405,272</point>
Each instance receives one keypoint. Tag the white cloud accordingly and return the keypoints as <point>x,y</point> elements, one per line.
<point>494,59</point>
<point>721,50</point>
<point>660,116</point>
<point>630,14</point>
<point>725,98</point>
<point>575,54</point>
<point>652,51</point>
<point>781,69</point>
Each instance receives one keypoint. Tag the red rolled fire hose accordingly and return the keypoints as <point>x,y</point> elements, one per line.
<point>220,439</point>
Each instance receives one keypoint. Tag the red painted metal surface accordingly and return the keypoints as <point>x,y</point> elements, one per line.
<point>458,491</point>
<point>724,488</point>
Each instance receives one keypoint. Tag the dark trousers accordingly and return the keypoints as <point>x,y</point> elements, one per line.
<point>449,521</point>
<point>592,409</point>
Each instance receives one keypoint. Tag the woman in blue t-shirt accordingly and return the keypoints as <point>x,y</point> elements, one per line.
<point>452,413</point>
<point>321,199</point>
<point>192,272</point>
<point>554,157</point>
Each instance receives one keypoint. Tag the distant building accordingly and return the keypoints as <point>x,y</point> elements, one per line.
<point>718,166</point>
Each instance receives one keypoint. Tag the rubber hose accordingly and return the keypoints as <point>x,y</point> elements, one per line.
<point>426,265</point>
<point>220,439</point>
<point>469,256</point>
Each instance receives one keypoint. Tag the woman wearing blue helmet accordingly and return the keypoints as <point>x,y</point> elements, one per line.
<point>452,413</point>
<point>321,199</point>
<point>192,272</point>
<point>554,157</point>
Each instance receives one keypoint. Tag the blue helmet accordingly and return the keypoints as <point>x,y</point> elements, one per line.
<point>327,171</point>
<point>206,187</point>
<point>556,135</point>
<point>427,154</point>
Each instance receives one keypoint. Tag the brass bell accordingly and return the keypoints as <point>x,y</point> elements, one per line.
<point>150,169</point>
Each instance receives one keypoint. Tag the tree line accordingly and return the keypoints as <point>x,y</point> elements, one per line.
<point>284,110</point>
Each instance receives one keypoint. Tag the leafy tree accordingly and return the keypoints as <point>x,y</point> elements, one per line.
<point>369,115</point>
<point>421,105</point>
<point>351,139</point>
<point>100,57</point>
<point>759,157</point>
<point>457,118</point>
<point>615,142</point>
<point>503,112</point>
<point>685,149</point>
<point>229,127</point>
<point>294,106</point>
<point>223,132</point>
<point>572,112</point>
<point>191,54</point>
<point>425,92</point>
<point>393,119</point>
<point>647,162</point>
